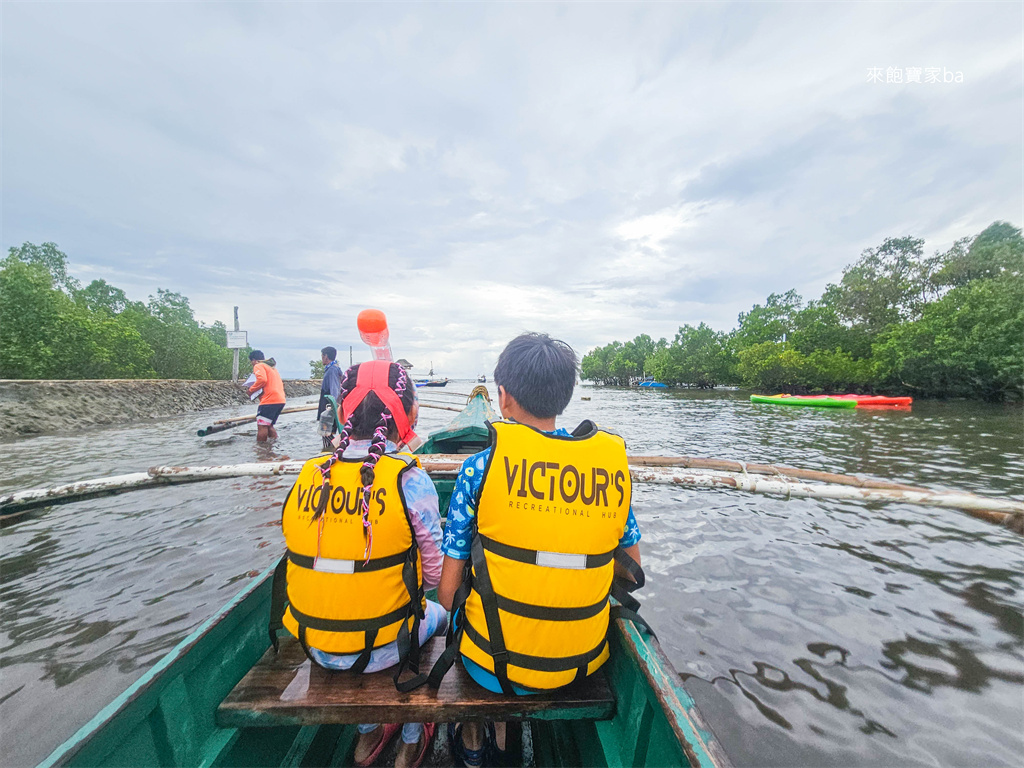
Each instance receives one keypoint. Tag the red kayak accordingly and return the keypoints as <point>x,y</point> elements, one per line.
<point>869,400</point>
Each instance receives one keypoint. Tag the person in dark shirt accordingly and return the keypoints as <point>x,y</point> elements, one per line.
<point>330,385</point>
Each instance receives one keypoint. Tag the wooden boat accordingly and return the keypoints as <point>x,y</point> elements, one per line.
<point>223,697</point>
<point>814,402</point>
<point>432,381</point>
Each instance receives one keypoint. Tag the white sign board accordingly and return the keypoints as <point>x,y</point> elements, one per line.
<point>237,339</point>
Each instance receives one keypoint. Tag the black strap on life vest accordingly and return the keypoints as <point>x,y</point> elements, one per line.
<point>409,638</point>
<point>529,556</point>
<point>622,589</point>
<point>482,583</point>
<point>453,637</point>
<point>540,663</point>
<point>478,577</point>
<point>376,564</point>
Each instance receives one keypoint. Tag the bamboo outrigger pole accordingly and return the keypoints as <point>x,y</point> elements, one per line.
<point>222,424</point>
<point>752,478</point>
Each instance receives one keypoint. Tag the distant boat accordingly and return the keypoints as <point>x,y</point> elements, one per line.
<point>481,379</point>
<point>432,381</point>
<point>653,385</point>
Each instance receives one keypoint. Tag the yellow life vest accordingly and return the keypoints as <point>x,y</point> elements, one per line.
<point>336,602</point>
<point>550,516</point>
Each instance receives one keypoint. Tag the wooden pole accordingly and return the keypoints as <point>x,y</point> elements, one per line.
<point>1004,512</point>
<point>234,357</point>
<point>424,391</point>
<point>222,424</point>
<point>243,419</point>
<point>727,465</point>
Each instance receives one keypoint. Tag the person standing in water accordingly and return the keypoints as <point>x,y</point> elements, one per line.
<point>330,385</point>
<point>271,394</point>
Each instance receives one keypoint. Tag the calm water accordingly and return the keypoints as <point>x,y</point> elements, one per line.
<point>809,632</point>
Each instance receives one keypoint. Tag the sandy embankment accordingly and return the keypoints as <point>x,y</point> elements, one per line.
<point>29,407</point>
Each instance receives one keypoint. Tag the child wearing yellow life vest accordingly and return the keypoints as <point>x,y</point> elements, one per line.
<point>363,534</point>
<point>540,533</point>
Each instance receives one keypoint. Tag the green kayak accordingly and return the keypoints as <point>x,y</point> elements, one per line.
<point>814,402</point>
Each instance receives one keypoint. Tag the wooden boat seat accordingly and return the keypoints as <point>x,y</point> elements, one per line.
<point>287,689</point>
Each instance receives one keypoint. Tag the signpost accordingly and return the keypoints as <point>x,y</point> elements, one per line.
<point>236,340</point>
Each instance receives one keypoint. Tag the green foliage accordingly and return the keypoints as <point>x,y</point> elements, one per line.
<point>818,326</point>
<point>833,370</point>
<point>697,357</point>
<point>46,334</point>
<point>884,287</point>
<point>50,327</point>
<point>772,367</point>
<point>970,343</point>
<point>948,325</point>
<point>50,258</point>
<point>617,363</point>
<point>772,322</point>
<point>100,296</point>
<point>316,369</point>
<point>996,252</point>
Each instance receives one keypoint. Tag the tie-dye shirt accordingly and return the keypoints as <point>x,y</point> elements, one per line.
<point>458,531</point>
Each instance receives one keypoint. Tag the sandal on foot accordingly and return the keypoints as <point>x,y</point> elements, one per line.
<point>424,744</point>
<point>470,758</point>
<point>390,729</point>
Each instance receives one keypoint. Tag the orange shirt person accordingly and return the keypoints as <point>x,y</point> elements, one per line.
<point>272,398</point>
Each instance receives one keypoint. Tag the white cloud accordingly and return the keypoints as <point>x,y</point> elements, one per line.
<point>593,170</point>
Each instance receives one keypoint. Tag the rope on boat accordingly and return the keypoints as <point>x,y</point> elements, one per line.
<point>763,479</point>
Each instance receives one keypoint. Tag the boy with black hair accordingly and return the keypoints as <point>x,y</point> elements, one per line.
<point>540,532</point>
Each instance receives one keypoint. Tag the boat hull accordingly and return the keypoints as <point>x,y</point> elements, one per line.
<point>867,401</point>
<point>812,402</point>
<point>168,717</point>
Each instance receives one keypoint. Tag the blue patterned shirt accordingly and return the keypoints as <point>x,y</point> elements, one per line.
<point>458,531</point>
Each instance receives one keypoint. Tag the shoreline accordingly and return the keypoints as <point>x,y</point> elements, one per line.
<point>36,406</point>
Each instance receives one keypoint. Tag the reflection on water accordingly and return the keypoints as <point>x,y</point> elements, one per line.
<point>809,632</point>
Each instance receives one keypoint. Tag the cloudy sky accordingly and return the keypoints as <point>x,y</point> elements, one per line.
<point>594,170</point>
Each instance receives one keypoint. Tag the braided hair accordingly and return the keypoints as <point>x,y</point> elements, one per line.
<point>370,420</point>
